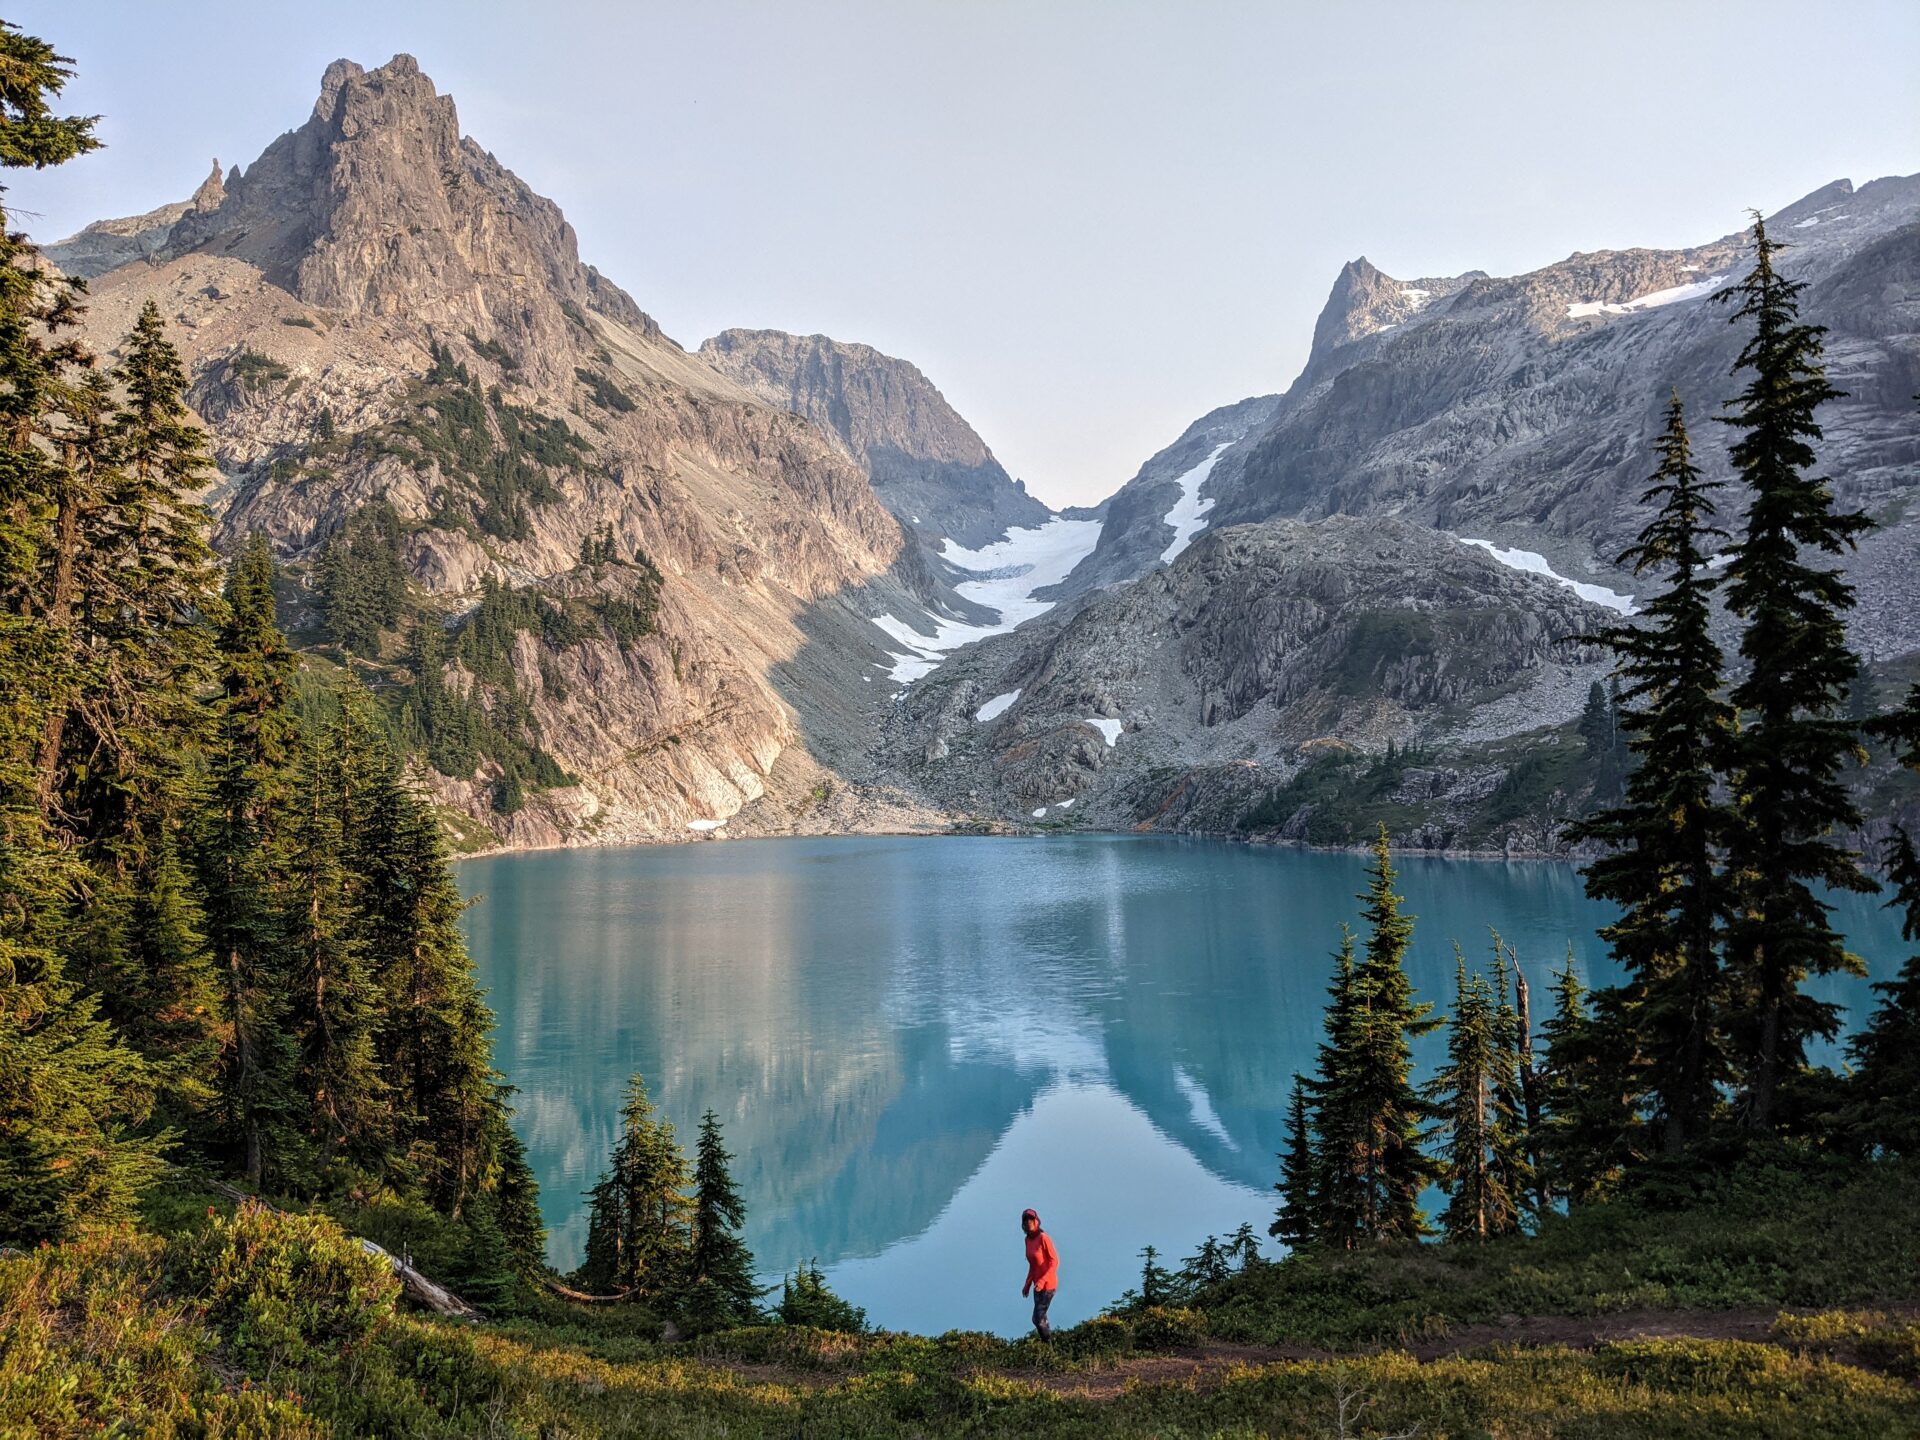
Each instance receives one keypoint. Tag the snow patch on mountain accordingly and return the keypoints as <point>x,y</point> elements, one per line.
<point>1537,565</point>
<point>1653,300</point>
<point>1007,575</point>
<point>996,707</point>
<point>1188,515</point>
<point>1108,728</point>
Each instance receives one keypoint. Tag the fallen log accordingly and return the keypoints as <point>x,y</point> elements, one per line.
<point>580,1297</point>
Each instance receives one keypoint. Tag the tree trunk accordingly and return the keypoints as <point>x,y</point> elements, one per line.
<point>1530,1089</point>
<point>58,615</point>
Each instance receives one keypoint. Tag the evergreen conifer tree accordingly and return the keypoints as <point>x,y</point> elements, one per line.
<point>1296,1222</point>
<point>1795,738</point>
<point>1209,1265</point>
<point>807,1299</point>
<point>1509,1141</point>
<point>1666,838</point>
<point>1373,1091</point>
<point>1157,1284</point>
<point>637,1230</point>
<point>1591,1092</point>
<point>73,1097</point>
<point>250,777</point>
<point>1462,1093</point>
<point>1335,1176</point>
<point>332,1000</point>
<point>720,1266</point>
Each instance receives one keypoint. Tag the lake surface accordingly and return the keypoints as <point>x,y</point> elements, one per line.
<point>909,1040</point>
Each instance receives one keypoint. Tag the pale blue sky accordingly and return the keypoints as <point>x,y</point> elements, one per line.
<point>1088,222</point>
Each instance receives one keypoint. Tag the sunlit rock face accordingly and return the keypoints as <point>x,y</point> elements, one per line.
<point>373,272</point>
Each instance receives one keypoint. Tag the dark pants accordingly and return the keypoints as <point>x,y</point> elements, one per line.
<point>1041,1300</point>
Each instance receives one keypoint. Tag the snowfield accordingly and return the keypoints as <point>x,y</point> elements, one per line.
<point>704,825</point>
<point>1676,295</point>
<point>1006,575</point>
<point>1537,565</point>
<point>1108,728</point>
<point>1187,517</point>
<point>996,707</point>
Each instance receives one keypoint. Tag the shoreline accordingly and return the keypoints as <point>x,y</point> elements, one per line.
<point>507,852</point>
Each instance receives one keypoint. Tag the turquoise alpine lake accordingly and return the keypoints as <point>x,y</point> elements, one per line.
<point>910,1040</point>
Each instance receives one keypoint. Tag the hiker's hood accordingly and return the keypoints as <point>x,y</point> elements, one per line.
<point>1033,1215</point>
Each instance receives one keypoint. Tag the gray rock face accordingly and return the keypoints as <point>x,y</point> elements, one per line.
<point>378,206</point>
<point>1524,410</point>
<point>1136,532</point>
<point>925,461</point>
<point>1255,647</point>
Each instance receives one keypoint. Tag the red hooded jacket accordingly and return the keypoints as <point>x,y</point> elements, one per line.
<point>1043,1261</point>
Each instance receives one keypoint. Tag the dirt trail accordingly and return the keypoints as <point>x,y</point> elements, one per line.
<point>1213,1360</point>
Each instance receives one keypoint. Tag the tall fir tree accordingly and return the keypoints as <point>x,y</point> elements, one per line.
<point>1795,738</point>
<point>250,775</point>
<point>1338,1156</point>
<point>124,583</point>
<point>1591,1089</point>
<point>433,1043</point>
<point>1510,1143</point>
<point>1297,1220</point>
<point>1464,1095</point>
<point>637,1226</point>
<point>721,1289</point>
<point>332,1010</point>
<point>1666,839</point>
<point>1370,1114</point>
<point>74,1098</point>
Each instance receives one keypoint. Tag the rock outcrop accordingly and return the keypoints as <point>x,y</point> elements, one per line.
<point>108,244</point>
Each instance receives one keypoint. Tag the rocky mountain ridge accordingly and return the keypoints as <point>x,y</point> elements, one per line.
<point>1521,410</point>
<point>716,591</point>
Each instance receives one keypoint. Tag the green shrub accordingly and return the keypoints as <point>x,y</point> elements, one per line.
<point>1103,1335</point>
<point>1164,1327</point>
<point>603,392</point>
<point>288,1289</point>
<point>91,1344</point>
<point>251,370</point>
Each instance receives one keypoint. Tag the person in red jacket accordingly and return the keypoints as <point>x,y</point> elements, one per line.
<point>1043,1271</point>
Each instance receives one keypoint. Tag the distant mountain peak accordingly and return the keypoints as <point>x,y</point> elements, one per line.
<point>928,465</point>
<point>377,205</point>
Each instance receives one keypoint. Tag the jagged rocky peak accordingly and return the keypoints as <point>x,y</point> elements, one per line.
<point>1366,301</point>
<point>926,462</point>
<point>211,194</point>
<point>377,205</point>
